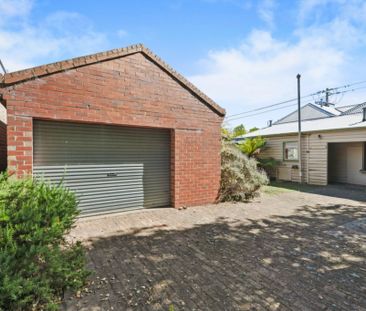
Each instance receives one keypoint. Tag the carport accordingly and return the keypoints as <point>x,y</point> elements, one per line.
<point>346,163</point>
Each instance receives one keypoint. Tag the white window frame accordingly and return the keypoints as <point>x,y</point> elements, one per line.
<point>292,159</point>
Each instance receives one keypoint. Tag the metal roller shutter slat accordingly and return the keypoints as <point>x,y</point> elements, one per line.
<point>109,168</point>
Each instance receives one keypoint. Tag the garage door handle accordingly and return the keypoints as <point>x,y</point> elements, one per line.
<point>111,174</point>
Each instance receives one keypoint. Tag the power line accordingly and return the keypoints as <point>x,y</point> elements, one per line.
<point>262,112</point>
<point>229,118</point>
<point>287,106</point>
<point>333,91</point>
<point>348,85</point>
<point>351,90</point>
<point>328,90</point>
<point>269,106</point>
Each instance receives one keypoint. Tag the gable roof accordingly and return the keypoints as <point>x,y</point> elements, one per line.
<point>21,76</point>
<point>349,121</point>
<point>310,111</point>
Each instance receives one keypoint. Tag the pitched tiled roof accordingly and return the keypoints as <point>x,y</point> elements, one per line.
<point>39,71</point>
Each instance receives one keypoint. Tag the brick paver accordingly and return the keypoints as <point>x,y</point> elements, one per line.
<point>306,257</point>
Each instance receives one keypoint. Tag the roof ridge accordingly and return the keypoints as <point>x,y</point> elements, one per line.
<point>321,109</point>
<point>287,115</point>
<point>45,69</point>
<point>20,76</point>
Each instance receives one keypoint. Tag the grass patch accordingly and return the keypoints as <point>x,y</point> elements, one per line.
<point>273,190</point>
<point>278,187</point>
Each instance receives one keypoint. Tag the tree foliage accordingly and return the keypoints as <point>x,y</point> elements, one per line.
<point>237,131</point>
<point>249,146</point>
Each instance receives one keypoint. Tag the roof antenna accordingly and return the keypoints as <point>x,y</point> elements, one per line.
<point>2,66</point>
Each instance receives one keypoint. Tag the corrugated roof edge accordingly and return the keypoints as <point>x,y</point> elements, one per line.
<point>346,106</point>
<point>355,109</point>
<point>21,76</point>
<point>358,124</point>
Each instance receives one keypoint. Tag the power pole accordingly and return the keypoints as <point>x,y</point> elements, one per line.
<point>299,124</point>
<point>327,94</point>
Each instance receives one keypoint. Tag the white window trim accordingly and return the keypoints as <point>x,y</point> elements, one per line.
<point>284,153</point>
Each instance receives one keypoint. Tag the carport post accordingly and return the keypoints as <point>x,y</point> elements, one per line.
<point>299,124</point>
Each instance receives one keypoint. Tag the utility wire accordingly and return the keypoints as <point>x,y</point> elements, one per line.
<point>287,106</point>
<point>269,106</point>
<point>339,87</point>
<point>230,118</point>
<point>348,85</point>
<point>351,90</point>
<point>262,112</point>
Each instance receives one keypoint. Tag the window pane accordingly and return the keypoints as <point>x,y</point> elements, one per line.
<point>291,151</point>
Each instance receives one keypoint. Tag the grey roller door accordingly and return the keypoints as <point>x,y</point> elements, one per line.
<point>110,168</point>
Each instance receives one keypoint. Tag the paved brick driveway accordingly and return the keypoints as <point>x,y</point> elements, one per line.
<point>288,251</point>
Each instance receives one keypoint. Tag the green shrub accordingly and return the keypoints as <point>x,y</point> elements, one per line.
<point>36,263</point>
<point>240,176</point>
<point>269,165</point>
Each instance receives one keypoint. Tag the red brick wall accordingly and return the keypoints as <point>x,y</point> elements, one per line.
<point>127,91</point>
<point>3,155</point>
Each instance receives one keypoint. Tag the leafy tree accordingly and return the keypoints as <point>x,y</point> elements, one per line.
<point>237,131</point>
<point>253,129</point>
<point>250,146</point>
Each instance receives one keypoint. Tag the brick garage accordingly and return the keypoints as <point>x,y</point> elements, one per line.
<point>129,87</point>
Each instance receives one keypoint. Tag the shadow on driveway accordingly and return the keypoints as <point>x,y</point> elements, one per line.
<point>344,191</point>
<point>313,260</point>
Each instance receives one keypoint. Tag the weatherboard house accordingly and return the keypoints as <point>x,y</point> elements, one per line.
<point>333,145</point>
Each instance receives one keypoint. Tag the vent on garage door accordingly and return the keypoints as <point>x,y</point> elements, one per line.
<point>110,168</point>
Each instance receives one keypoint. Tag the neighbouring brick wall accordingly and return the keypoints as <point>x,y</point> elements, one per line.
<point>130,91</point>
